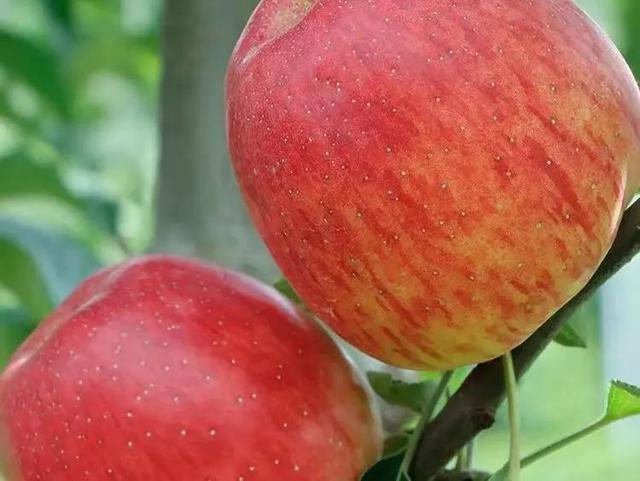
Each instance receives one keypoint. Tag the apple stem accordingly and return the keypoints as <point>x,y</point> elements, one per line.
<point>427,415</point>
<point>514,416</point>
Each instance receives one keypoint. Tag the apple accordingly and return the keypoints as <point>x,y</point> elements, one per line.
<point>167,369</point>
<point>435,178</point>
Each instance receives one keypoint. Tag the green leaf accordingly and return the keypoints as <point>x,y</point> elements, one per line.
<point>430,375</point>
<point>15,327</point>
<point>623,402</point>
<point>631,21</point>
<point>399,393</point>
<point>395,445</point>
<point>385,470</point>
<point>388,468</point>
<point>569,337</point>
<point>60,261</point>
<point>287,291</point>
<point>17,119</point>
<point>61,11</point>
<point>103,212</point>
<point>39,268</point>
<point>20,176</point>
<point>35,66</point>
<point>132,57</point>
<point>20,274</point>
<point>574,332</point>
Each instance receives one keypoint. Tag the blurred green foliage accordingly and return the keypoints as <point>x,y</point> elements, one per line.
<point>75,192</point>
<point>78,89</point>
<point>630,10</point>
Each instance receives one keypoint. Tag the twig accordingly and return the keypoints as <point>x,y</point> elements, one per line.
<point>532,458</point>
<point>514,417</point>
<point>427,415</point>
<point>472,408</point>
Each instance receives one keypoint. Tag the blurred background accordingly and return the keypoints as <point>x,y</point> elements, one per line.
<point>90,132</point>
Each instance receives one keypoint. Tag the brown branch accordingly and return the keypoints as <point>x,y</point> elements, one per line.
<point>463,476</point>
<point>472,408</point>
<point>199,210</point>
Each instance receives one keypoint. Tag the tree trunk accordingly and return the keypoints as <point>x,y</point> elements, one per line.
<point>199,209</point>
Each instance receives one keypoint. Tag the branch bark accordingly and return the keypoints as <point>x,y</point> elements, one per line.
<point>199,208</point>
<point>464,476</point>
<point>472,408</point>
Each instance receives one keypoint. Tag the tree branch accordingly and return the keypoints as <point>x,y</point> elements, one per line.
<point>463,476</point>
<point>472,408</point>
<point>198,205</point>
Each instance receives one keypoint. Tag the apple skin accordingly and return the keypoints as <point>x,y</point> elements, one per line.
<point>166,369</point>
<point>434,178</point>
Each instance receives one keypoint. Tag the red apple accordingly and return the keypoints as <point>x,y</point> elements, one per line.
<point>434,177</point>
<point>166,369</point>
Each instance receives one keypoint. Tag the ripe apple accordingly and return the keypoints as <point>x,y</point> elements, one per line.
<point>434,177</point>
<point>166,369</point>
